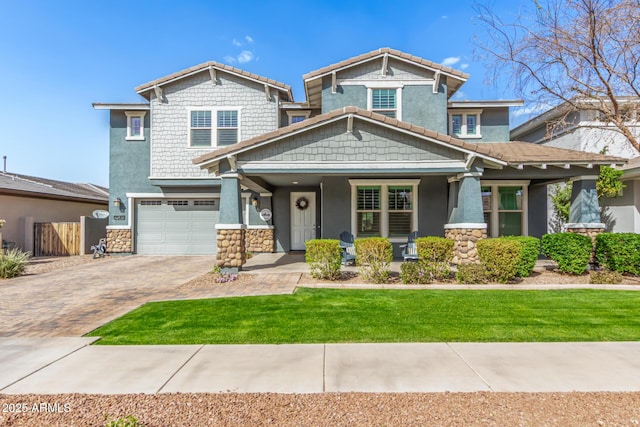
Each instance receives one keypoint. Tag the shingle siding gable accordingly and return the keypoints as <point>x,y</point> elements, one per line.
<point>170,153</point>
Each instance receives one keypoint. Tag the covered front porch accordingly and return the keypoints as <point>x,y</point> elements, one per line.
<point>371,175</point>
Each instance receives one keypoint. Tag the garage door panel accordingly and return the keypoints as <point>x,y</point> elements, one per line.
<point>177,227</point>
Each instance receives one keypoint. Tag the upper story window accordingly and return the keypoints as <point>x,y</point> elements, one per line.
<point>297,116</point>
<point>465,124</point>
<point>135,125</point>
<point>227,127</point>
<point>383,101</point>
<point>204,132</point>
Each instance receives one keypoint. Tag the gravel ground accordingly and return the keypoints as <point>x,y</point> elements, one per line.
<point>330,409</point>
<point>41,265</point>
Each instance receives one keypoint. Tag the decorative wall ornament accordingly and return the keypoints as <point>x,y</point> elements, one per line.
<point>302,203</point>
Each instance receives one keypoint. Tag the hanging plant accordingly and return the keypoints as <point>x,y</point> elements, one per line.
<point>302,203</point>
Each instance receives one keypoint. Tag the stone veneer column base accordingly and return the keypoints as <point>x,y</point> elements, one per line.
<point>464,238</point>
<point>260,240</point>
<point>119,241</point>
<point>587,229</point>
<point>231,248</point>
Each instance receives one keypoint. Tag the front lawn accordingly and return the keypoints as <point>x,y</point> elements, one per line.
<point>338,315</point>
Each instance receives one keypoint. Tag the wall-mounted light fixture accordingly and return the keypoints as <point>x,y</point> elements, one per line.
<point>117,202</point>
<point>254,201</point>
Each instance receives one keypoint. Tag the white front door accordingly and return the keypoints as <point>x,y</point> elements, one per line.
<point>303,219</point>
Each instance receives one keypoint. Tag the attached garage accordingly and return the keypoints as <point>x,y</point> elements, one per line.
<point>176,226</point>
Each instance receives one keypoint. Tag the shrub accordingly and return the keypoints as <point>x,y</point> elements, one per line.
<point>13,262</point>
<point>570,250</point>
<point>528,255</point>
<point>435,249</point>
<point>374,256</point>
<point>324,257</point>
<point>605,277</point>
<point>412,273</point>
<point>501,258</point>
<point>129,421</point>
<point>619,252</point>
<point>473,274</point>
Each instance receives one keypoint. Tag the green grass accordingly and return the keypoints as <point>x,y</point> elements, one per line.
<point>332,315</point>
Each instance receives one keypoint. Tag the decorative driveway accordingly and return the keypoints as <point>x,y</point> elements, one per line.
<point>76,300</point>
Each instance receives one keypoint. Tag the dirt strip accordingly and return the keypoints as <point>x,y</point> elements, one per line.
<point>330,409</point>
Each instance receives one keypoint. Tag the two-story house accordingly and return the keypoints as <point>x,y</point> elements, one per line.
<point>586,131</point>
<point>220,160</point>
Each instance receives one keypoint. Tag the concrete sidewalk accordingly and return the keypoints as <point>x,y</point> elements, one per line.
<point>70,365</point>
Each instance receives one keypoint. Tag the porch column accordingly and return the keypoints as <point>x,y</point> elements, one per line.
<point>230,229</point>
<point>466,219</point>
<point>260,231</point>
<point>584,214</point>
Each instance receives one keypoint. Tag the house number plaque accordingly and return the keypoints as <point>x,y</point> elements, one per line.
<point>265,214</point>
<point>118,217</point>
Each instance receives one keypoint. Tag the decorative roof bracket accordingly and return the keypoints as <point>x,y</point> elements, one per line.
<point>350,123</point>
<point>436,81</point>
<point>158,90</point>
<point>334,85</point>
<point>214,77</point>
<point>385,63</point>
<point>267,92</point>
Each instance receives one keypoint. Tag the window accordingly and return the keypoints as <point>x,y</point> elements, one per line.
<point>204,203</point>
<point>384,208</point>
<point>201,128</point>
<point>383,101</point>
<point>297,116</point>
<point>213,127</point>
<point>504,206</point>
<point>178,203</point>
<point>227,127</point>
<point>368,211</point>
<point>150,202</point>
<point>465,124</point>
<point>135,125</point>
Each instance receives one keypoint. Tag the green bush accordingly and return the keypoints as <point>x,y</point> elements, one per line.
<point>435,249</point>
<point>373,257</point>
<point>529,254</point>
<point>473,274</point>
<point>570,250</point>
<point>12,263</point>
<point>501,258</point>
<point>324,257</point>
<point>619,252</point>
<point>412,273</point>
<point>129,421</point>
<point>605,277</point>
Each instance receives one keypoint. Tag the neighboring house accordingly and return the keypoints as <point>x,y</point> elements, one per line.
<point>221,160</point>
<point>583,131</point>
<point>25,200</point>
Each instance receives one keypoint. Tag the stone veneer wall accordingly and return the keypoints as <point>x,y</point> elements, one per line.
<point>119,241</point>
<point>464,243</point>
<point>231,248</point>
<point>260,240</point>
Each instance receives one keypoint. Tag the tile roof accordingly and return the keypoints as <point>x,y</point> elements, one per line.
<point>205,66</point>
<point>516,152</point>
<point>48,188</point>
<point>508,152</point>
<point>381,51</point>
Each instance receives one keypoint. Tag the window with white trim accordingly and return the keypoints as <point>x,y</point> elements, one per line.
<point>135,125</point>
<point>505,207</point>
<point>383,101</point>
<point>213,127</point>
<point>465,124</point>
<point>384,208</point>
<point>297,116</point>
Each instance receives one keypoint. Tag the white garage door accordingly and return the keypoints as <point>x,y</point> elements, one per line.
<point>176,226</point>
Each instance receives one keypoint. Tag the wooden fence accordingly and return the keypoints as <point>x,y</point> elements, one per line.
<point>56,238</point>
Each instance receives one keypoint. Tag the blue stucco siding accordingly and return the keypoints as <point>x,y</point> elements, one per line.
<point>422,107</point>
<point>432,205</point>
<point>368,143</point>
<point>355,96</point>
<point>128,166</point>
<point>336,211</point>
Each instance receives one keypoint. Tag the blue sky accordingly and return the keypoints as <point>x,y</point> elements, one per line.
<point>57,57</point>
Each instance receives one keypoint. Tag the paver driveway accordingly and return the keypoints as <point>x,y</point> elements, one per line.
<point>76,300</point>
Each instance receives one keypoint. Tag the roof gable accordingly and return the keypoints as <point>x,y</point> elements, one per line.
<point>212,67</point>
